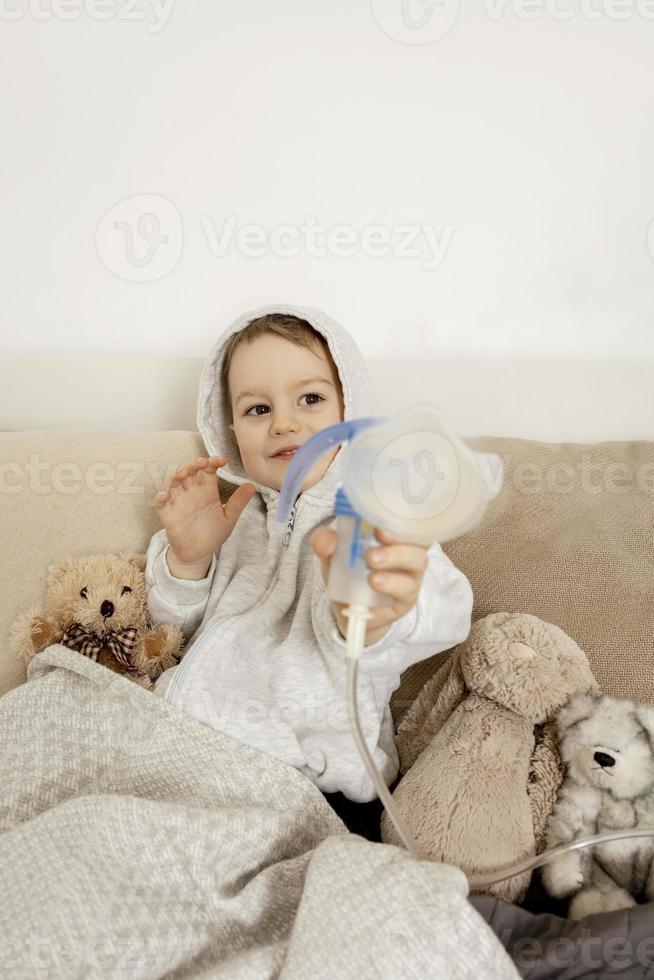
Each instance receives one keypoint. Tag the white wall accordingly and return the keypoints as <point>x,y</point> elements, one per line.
<point>525,146</point>
<point>553,400</point>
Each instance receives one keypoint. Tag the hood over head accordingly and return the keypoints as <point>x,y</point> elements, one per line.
<point>213,425</point>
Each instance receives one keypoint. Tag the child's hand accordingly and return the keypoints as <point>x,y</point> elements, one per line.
<point>403,571</point>
<point>196,522</point>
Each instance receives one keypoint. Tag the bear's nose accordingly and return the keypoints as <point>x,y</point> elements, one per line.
<point>604,760</point>
<point>107,608</point>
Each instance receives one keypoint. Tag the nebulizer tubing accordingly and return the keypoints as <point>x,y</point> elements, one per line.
<point>469,502</point>
<point>357,617</point>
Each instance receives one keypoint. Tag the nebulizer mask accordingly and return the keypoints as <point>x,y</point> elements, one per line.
<point>414,478</point>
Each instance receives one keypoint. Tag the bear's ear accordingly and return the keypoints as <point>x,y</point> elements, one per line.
<point>645,715</point>
<point>139,561</point>
<point>59,569</point>
<point>577,708</point>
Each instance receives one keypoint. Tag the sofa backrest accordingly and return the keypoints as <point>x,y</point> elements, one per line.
<point>570,537</point>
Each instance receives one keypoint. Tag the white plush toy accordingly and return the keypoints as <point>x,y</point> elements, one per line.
<point>607,746</point>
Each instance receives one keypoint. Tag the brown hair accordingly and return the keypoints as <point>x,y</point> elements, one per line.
<point>291,328</point>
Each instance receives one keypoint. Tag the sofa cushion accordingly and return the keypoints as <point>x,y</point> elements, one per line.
<point>570,538</point>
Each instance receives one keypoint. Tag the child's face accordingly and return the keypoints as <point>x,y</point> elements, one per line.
<point>280,411</point>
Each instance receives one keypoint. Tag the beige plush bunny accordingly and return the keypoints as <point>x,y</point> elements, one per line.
<point>478,747</point>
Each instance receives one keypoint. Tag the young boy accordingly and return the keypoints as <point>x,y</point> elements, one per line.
<point>265,654</point>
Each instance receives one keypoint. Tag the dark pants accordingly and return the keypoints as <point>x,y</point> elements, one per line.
<point>359,818</point>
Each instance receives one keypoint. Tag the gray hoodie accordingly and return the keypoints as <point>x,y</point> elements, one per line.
<point>265,661</point>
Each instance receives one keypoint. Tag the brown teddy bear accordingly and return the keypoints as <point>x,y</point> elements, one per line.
<point>97,605</point>
<point>478,747</point>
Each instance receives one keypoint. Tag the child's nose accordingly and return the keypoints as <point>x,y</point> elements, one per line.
<point>284,423</point>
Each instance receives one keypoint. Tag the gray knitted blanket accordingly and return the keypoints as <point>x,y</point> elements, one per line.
<point>138,842</point>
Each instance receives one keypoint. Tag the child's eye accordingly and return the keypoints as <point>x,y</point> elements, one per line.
<point>309,394</point>
<point>313,394</point>
<point>126,588</point>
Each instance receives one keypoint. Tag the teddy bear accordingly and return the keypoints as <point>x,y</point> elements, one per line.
<point>97,606</point>
<point>607,746</point>
<point>478,754</point>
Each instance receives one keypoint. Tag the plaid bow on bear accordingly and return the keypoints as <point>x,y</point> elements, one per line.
<point>120,642</point>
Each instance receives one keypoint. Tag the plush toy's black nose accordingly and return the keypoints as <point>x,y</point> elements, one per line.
<point>604,760</point>
<point>107,608</point>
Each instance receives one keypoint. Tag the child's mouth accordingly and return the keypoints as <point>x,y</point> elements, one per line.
<point>285,455</point>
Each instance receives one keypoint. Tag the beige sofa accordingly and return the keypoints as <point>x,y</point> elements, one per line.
<point>570,538</point>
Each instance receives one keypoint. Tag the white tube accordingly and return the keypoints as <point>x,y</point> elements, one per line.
<point>356,632</point>
<point>482,881</point>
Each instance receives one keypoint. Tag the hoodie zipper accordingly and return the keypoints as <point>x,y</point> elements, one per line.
<point>219,622</point>
<point>289,526</point>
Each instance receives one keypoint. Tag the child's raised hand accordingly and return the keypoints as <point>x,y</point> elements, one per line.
<point>399,576</point>
<point>196,521</point>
